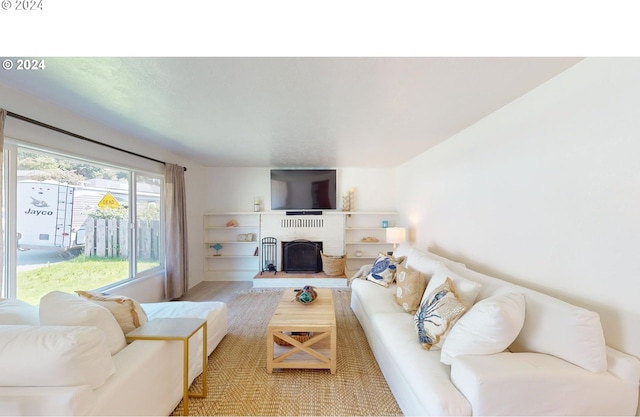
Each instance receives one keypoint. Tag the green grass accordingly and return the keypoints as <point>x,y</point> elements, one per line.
<point>81,273</point>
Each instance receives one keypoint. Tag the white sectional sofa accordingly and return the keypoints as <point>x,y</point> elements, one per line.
<point>546,357</point>
<point>88,369</point>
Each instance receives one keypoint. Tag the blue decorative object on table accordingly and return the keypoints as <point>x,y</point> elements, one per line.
<point>306,295</point>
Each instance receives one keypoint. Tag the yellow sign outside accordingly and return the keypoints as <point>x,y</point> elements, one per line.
<point>108,201</point>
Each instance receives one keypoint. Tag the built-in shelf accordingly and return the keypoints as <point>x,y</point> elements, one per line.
<point>359,225</point>
<point>239,243</point>
<point>237,257</point>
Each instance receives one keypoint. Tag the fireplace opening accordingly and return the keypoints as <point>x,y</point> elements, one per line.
<point>301,256</point>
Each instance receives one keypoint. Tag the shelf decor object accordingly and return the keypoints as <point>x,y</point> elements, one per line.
<point>345,202</point>
<point>396,235</point>
<point>217,247</point>
<point>348,200</point>
<point>352,199</point>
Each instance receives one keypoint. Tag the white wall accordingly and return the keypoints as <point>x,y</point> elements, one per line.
<point>545,192</point>
<point>233,189</point>
<point>13,100</point>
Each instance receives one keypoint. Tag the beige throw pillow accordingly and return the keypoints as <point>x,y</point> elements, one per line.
<point>438,311</point>
<point>410,289</point>
<point>127,311</point>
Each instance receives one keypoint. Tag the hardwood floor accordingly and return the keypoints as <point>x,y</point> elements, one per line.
<point>224,291</point>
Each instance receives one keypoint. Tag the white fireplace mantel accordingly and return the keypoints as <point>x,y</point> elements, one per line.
<point>325,228</point>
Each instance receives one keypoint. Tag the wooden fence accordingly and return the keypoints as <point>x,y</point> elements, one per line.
<point>109,238</point>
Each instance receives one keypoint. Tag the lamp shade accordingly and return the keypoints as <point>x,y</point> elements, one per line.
<point>396,235</point>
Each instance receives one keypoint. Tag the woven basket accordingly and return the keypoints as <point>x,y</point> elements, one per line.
<point>333,265</point>
<point>299,336</point>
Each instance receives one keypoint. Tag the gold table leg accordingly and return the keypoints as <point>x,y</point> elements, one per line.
<point>186,393</point>
<point>185,378</point>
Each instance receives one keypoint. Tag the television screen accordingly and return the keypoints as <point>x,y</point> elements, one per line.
<point>303,189</point>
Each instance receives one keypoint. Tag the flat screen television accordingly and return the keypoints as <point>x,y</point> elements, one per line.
<point>303,189</point>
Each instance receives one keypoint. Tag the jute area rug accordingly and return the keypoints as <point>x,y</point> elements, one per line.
<point>238,383</point>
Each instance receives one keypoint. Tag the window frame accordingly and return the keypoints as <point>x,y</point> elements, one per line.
<point>8,286</point>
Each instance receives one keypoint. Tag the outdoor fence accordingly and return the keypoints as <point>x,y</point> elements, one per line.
<point>109,238</point>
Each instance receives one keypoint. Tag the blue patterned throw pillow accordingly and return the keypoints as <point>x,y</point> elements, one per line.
<point>384,269</point>
<point>438,311</point>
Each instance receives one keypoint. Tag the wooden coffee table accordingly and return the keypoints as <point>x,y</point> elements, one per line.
<point>318,318</point>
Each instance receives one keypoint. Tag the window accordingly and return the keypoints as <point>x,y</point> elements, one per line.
<point>74,223</point>
<point>148,222</point>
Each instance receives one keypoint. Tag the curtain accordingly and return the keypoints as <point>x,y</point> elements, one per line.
<point>3,115</point>
<point>177,253</point>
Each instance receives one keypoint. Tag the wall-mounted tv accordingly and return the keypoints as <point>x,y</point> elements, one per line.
<point>303,189</point>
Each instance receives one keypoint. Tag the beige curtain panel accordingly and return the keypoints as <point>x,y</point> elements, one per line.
<point>177,253</point>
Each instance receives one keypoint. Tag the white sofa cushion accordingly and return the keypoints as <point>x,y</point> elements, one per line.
<point>527,383</point>
<point>490,326</point>
<point>623,366</point>
<point>551,325</point>
<point>77,400</point>
<point>422,262</point>
<point>402,251</point>
<point>14,311</point>
<point>557,328</point>
<point>215,312</point>
<point>417,378</point>
<point>59,308</point>
<point>40,356</point>
<point>127,311</point>
<point>466,290</point>
<point>376,299</point>
<point>446,261</point>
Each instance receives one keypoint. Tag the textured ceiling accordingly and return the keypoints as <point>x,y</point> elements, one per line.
<point>287,112</point>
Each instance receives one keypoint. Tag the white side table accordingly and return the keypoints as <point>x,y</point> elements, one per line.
<point>177,329</point>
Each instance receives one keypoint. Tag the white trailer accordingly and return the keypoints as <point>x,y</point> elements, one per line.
<point>51,214</point>
<point>45,213</point>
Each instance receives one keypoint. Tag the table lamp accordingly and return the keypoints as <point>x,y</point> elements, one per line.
<point>396,235</point>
